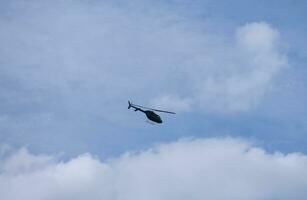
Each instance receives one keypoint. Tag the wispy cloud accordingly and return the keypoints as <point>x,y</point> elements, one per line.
<point>101,52</point>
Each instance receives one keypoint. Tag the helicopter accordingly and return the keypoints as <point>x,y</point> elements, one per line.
<point>150,114</point>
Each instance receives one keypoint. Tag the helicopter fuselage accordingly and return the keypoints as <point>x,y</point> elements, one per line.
<point>153,116</point>
<point>150,115</point>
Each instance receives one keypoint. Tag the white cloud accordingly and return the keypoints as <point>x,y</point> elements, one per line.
<point>213,169</point>
<point>23,162</point>
<point>258,37</point>
<point>247,73</point>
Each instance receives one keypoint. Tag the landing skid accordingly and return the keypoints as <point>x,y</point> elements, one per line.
<point>150,122</point>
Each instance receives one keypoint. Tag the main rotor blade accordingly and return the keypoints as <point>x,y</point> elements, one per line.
<point>169,112</point>
<point>154,109</point>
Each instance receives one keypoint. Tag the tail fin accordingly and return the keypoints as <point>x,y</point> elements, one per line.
<point>129,104</point>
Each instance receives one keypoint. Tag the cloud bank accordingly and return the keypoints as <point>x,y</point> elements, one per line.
<point>216,169</point>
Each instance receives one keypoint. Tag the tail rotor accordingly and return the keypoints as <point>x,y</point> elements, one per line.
<point>129,104</point>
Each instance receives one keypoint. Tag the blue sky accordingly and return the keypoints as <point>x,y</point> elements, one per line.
<point>65,87</point>
<point>232,71</point>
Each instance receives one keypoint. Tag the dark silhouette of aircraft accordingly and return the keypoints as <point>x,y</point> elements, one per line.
<point>150,114</point>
